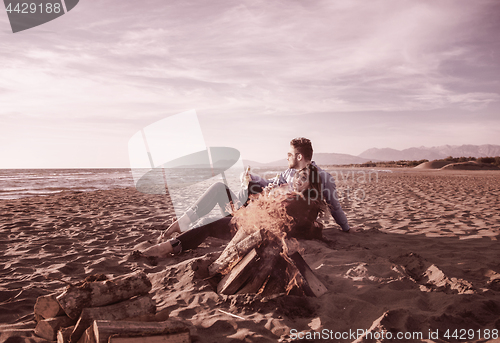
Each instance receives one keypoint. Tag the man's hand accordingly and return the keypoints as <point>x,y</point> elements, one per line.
<point>245,178</point>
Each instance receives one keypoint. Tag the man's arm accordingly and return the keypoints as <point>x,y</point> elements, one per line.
<point>264,182</point>
<point>257,184</point>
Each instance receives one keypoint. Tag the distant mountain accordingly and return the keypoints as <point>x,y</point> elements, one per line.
<point>432,153</point>
<point>319,158</point>
<point>279,163</point>
<point>255,164</point>
<point>387,154</point>
<point>382,154</point>
<point>332,158</point>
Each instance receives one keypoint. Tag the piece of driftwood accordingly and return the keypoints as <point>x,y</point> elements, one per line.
<point>315,285</point>
<point>64,334</point>
<point>88,336</point>
<point>239,236</point>
<point>48,328</point>
<point>101,293</point>
<point>159,316</point>
<point>140,306</point>
<point>297,284</point>
<point>239,274</point>
<point>268,257</point>
<point>182,337</point>
<point>288,278</point>
<point>115,331</point>
<point>278,279</point>
<point>268,270</point>
<point>47,307</point>
<point>234,252</point>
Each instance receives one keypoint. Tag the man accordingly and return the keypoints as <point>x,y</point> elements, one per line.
<point>299,156</point>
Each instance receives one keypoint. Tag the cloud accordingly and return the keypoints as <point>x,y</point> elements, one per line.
<point>250,63</point>
<point>379,56</point>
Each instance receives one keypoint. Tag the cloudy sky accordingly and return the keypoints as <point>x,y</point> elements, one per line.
<point>350,75</point>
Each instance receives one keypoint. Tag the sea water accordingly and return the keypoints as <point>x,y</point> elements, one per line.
<point>187,184</point>
<point>22,183</point>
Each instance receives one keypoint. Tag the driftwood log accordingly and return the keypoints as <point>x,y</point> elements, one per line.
<point>48,328</point>
<point>315,287</point>
<point>234,252</point>
<point>240,274</point>
<point>133,308</point>
<point>182,337</point>
<point>88,336</point>
<point>288,278</point>
<point>269,255</point>
<point>64,334</point>
<point>268,270</point>
<point>47,307</point>
<point>104,330</point>
<point>101,293</point>
<point>159,316</point>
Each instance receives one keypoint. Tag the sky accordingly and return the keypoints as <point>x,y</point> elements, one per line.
<point>349,75</point>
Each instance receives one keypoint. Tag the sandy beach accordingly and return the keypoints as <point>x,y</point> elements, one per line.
<point>422,265</point>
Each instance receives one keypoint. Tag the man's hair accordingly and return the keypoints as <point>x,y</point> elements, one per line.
<point>303,146</point>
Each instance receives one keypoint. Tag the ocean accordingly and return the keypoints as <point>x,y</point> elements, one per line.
<point>22,183</point>
<point>186,185</point>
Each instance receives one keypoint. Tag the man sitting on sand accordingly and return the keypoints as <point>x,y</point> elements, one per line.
<point>299,156</point>
<point>301,175</point>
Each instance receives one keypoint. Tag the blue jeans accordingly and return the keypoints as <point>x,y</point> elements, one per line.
<point>220,194</point>
<point>217,194</point>
<point>221,228</point>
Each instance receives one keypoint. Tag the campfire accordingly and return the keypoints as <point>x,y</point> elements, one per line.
<point>261,263</point>
<point>258,258</point>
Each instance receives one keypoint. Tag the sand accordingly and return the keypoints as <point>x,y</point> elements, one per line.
<point>447,165</point>
<point>433,165</point>
<point>424,260</point>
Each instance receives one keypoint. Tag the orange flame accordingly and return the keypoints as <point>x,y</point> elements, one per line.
<point>268,213</point>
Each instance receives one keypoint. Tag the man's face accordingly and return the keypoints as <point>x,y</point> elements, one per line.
<point>292,157</point>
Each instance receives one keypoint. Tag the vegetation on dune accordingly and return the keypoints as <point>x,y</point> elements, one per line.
<point>410,164</point>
